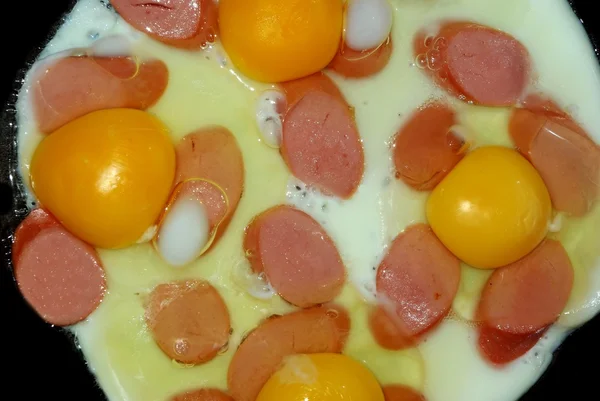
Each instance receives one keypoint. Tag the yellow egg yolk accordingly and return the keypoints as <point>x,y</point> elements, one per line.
<point>492,209</point>
<point>106,176</point>
<point>321,377</point>
<point>275,40</point>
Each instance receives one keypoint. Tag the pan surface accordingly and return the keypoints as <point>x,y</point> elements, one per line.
<point>43,362</point>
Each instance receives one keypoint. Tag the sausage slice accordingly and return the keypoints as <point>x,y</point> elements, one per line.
<point>188,24</point>
<point>188,320</point>
<point>425,148</point>
<point>322,329</point>
<point>474,62</point>
<point>321,144</point>
<point>416,285</point>
<point>213,154</point>
<point>520,301</point>
<point>59,275</point>
<point>565,156</point>
<point>296,254</point>
<point>71,87</point>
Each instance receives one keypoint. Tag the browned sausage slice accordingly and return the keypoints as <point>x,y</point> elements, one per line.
<point>59,275</point>
<point>401,393</point>
<point>202,395</point>
<point>416,284</point>
<point>189,24</point>
<point>321,144</point>
<point>297,255</point>
<point>562,152</point>
<point>520,301</point>
<point>425,148</point>
<point>70,87</point>
<point>359,64</point>
<point>189,320</point>
<point>474,62</point>
<point>529,294</point>
<point>500,347</point>
<point>314,330</point>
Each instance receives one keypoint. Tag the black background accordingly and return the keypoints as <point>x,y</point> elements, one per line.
<point>41,362</point>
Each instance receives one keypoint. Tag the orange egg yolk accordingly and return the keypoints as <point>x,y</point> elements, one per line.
<point>275,40</point>
<point>321,377</point>
<point>492,209</point>
<point>106,176</point>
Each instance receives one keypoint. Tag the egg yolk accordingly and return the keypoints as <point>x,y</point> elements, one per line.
<point>492,209</point>
<point>106,176</point>
<point>321,377</point>
<point>276,40</point>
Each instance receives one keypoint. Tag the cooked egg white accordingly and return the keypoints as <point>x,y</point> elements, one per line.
<point>204,89</point>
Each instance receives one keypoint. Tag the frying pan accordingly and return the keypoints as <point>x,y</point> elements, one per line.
<point>43,362</point>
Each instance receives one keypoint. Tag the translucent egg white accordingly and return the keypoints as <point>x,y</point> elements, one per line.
<point>112,46</point>
<point>268,117</point>
<point>368,23</point>
<point>183,233</point>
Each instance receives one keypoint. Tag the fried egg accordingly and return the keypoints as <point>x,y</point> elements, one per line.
<point>235,82</point>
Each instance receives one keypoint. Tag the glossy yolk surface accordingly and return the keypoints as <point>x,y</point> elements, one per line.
<point>321,377</point>
<point>492,209</point>
<point>274,41</point>
<point>106,176</point>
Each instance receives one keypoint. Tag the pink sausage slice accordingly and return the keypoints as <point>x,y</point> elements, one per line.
<point>296,89</point>
<point>315,330</point>
<point>189,320</point>
<point>59,275</point>
<point>416,284</point>
<point>298,257</point>
<point>562,152</point>
<point>426,149</point>
<point>321,144</point>
<point>37,220</point>
<point>202,395</point>
<point>359,64</point>
<point>74,86</point>
<point>212,153</point>
<point>474,62</point>
<point>188,24</point>
<point>523,299</point>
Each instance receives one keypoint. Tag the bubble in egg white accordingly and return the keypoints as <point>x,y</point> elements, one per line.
<point>256,285</point>
<point>183,233</point>
<point>368,23</point>
<point>268,117</point>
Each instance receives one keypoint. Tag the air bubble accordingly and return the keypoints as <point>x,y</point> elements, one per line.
<point>440,43</point>
<point>223,350</point>
<point>181,346</point>
<point>211,35</point>
<point>428,41</point>
<point>332,313</point>
<point>434,60</point>
<point>421,61</point>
